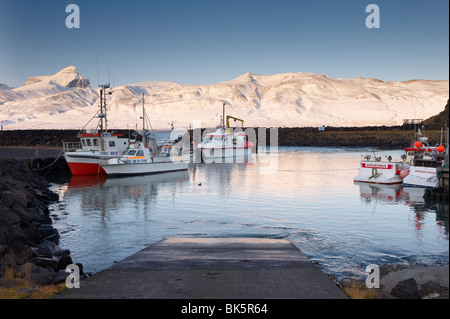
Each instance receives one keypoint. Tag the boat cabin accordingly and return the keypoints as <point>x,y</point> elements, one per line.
<point>111,142</point>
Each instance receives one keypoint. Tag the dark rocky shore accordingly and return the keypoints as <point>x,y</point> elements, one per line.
<point>28,241</point>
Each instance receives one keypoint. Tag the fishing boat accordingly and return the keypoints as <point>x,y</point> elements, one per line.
<point>380,170</point>
<point>226,142</point>
<point>425,161</point>
<point>146,157</point>
<point>95,145</point>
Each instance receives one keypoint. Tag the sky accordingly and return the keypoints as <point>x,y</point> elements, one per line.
<point>209,41</point>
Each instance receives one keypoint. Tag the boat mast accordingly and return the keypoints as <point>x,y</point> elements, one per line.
<point>143,112</point>
<point>102,115</point>
<point>223,115</point>
<point>103,106</point>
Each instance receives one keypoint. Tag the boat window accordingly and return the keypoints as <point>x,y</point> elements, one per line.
<point>124,152</point>
<point>140,153</point>
<point>112,144</point>
<point>131,152</point>
<point>95,141</point>
<point>208,138</point>
<point>88,142</point>
<point>83,141</point>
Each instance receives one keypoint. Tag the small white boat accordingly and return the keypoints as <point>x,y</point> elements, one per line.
<point>425,161</point>
<point>422,177</point>
<point>147,158</point>
<point>226,142</point>
<point>379,170</point>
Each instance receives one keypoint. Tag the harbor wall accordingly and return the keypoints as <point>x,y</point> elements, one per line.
<point>382,137</point>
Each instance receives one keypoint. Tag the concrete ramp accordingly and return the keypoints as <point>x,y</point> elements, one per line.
<point>211,268</point>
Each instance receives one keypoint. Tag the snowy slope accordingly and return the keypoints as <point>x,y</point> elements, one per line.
<point>285,100</point>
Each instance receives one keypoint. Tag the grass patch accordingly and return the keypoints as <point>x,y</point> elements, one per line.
<point>26,290</point>
<point>23,287</point>
<point>358,290</point>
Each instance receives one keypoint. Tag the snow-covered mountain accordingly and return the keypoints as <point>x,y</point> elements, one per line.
<point>66,100</point>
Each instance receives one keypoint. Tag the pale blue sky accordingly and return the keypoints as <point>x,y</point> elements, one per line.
<point>208,41</point>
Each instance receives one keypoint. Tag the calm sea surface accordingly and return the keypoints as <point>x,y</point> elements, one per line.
<point>306,195</point>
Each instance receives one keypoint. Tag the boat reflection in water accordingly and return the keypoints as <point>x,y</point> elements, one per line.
<point>82,181</point>
<point>394,193</point>
<point>113,197</point>
<point>413,197</point>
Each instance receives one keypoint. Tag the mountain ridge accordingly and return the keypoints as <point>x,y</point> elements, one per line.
<point>65,101</point>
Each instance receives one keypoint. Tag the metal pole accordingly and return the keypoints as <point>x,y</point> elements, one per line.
<point>143,112</point>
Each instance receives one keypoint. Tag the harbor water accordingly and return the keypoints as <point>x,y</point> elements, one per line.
<point>303,194</point>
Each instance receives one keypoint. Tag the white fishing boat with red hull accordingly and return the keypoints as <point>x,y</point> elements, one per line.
<point>84,157</point>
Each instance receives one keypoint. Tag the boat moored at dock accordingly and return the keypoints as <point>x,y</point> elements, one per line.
<point>142,158</point>
<point>226,142</point>
<point>95,145</point>
<point>380,170</point>
<point>425,161</point>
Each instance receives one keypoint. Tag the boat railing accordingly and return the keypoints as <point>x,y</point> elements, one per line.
<point>380,159</point>
<point>365,158</point>
<point>71,146</point>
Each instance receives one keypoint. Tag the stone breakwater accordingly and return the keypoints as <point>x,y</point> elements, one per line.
<point>28,241</point>
<point>384,137</point>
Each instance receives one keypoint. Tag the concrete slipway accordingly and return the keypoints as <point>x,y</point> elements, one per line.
<point>211,268</point>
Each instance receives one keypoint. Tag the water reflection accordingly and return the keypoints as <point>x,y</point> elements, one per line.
<point>392,194</point>
<point>373,194</point>
<point>310,199</point>
<point>102,196</point>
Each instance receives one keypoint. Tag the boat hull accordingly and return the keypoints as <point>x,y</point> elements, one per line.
<point>224,153</point>
<point>81,169</point>
<point>127,169</point>
<point>87,163</point>
<point>421,177</point>
<point>379,173</point>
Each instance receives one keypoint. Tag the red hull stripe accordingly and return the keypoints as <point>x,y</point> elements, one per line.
<point>379,166</point>
<point>78,169</point>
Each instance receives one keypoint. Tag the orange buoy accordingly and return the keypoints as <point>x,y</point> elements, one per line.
<point>418,144</point>
<point>441,148</point>
<point>404,173</point>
